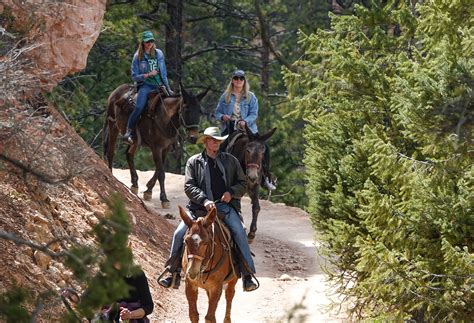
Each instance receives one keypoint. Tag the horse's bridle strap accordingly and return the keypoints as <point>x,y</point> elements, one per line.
<point>252,165</point>
<point>195,257</point>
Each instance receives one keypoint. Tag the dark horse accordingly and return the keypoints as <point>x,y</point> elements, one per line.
<point>207,262</point>
<point>249,150</point>
<point>157,129</point>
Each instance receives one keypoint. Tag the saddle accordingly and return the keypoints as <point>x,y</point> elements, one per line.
<point>131,97</point>
<point>232,139</point>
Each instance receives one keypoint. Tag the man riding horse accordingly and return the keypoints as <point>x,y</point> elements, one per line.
<point>213,179</point>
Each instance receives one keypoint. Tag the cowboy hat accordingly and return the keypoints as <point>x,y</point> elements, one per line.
<point>211,132</point>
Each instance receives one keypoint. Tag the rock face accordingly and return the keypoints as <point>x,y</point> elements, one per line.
<point>59,33</point>
<point>53,186</point>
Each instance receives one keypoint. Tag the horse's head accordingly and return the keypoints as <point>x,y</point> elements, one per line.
<point>191,112</point>
<point>198,239</point>
<point>254,153</point>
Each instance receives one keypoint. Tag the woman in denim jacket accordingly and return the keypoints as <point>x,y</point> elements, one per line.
<point>149,72</point>
<point>238,106</point>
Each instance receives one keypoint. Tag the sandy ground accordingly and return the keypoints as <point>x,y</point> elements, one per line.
<point>288,267</point>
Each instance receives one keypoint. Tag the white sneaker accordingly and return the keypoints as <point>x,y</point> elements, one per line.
<point>269,185</point>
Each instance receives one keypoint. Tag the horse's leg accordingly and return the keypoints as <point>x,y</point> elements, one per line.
<point>110,133</point>
<point>229,296</point>
<point>253,193</point>
<point>131,165</point>
<point>157,153</point>
<point>192,295</point>
<point>165,203</point>
<point>214,295</point>
<point>158,156</point>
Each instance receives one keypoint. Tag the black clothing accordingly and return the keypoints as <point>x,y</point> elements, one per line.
<point>197,181</point>
<point>217,180</point>
<point>139,292</point>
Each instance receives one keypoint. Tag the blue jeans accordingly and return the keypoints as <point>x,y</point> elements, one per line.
<point>232,220</point>
<point>142,98</point>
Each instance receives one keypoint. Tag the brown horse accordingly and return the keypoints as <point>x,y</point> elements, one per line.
<point>157,129</point>
<point>207,262</point>
<point>249,150</point>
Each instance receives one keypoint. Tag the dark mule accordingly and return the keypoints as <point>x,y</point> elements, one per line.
<point>157,129</point>
<point>249,150</point>
<point>207,262</point>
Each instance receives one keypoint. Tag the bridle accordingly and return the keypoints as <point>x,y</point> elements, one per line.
<point>253,165</point>
<point>205,266</point>
<point>181,116</point>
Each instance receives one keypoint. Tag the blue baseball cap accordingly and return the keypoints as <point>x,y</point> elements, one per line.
<point>147,35</point>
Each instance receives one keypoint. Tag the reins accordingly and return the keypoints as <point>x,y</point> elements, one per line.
<point>208,268</point>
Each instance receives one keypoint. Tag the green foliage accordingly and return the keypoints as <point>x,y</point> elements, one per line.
<point>387,96</point>
<point>113,260</point>
<point>11,305</point>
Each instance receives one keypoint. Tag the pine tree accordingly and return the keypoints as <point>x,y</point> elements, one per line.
<point>387,94</point>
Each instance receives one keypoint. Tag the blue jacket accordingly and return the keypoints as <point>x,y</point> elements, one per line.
<point>139,68</point>
<point>248,110</point>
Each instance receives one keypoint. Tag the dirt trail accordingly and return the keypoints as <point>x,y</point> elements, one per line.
<point>285,257</point>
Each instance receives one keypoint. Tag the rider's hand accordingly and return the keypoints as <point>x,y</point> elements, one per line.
<point>225,118</point>
<point>153,73</point>
<point>242,123</point>
<point>125,314</point>
<point>226,197</point>
<point>209,205</point>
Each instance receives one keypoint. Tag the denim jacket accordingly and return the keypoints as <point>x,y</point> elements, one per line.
<point>248,110</point>
<point>139,68</point>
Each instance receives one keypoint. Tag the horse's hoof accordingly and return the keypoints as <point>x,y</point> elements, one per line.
<point>165,204</point>
<point>134,189</point>
<point>250,237</point>
<point>147,196</point>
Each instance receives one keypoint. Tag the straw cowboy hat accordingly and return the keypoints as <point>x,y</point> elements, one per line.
<point>211,132</point>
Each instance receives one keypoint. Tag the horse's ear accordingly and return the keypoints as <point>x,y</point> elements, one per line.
<point>267,136</point>
<point>210,217</point>
<point>185,216</point>
<point>200,96</point>
<point>249,133</point>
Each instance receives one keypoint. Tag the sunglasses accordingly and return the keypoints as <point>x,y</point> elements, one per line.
<point>241,78</point>
<point>151,41</point>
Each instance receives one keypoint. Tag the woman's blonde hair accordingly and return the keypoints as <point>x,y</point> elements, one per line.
<point>230,88</point>
<point>141,51</point>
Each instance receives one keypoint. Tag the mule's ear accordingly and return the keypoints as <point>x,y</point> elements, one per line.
<point>185,217</point>
<point>267,136</point>
<point>249,133</point>
<point>201,96</point>
<point>210,217</point>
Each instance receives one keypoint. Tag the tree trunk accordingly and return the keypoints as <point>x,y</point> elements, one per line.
<point>173,41</point>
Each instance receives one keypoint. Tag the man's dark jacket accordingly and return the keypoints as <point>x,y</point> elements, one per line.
<point>197,181</point>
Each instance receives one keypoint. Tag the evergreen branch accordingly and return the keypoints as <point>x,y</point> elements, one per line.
<point>415,160</point>
<point>215,47</point>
